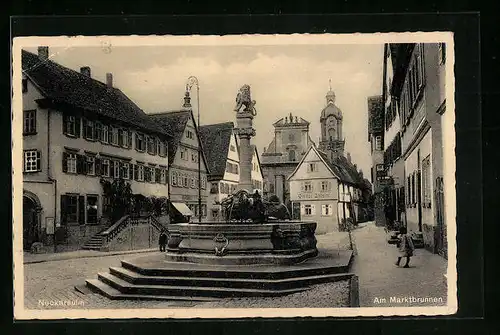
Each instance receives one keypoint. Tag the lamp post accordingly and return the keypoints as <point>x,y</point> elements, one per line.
<point>192,80</point>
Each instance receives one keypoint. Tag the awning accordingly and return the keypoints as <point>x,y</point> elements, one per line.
<point>182,208</point>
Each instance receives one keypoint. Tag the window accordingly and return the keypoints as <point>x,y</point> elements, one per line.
<point>98,131</point>
<point>70,125</point>
<point>442,53</point>
<point>325,186</point>
<point>25,85</point>
<point>29,122</point>
<point>92,201</point>
<point>104,167</point>
<point>152,174</point>
<point>125,171</point>
<point>378,142</point>
<point>139,142</point>
<point>203,183</point>
<point>307,186</point>
<point>194,157</point>
<point>184,154</point>
<point>214,188</point>
<point>189,134</point>
<point>232,148</point>
<point>89,129</point>
<point>308,209</point>
<point>32,161</point>
<point>326,210</point>
<point>104,136</point>
<point>72,208</point>
<point>124,138</point>
<point>311,167</point>
<point>174,178</point>
<point>163,176</point>
<point>114,135</point>
<point>192,183</point>
<point>90,165</point>
<point>71,162</point>
<point>426,181</point>
<point>185,181</point>
<point>380,167</point>
<point>117,171</point>
<point>140,172</point>
<point>291,155</point>
<point>151,145</point>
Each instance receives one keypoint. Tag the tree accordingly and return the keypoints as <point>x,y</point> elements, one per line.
<point>119,195</point>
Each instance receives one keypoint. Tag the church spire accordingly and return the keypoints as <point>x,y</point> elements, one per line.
<point>187,100</point>
<point>330,95</point>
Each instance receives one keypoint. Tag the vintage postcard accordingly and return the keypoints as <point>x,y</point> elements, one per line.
<point>234,176</point>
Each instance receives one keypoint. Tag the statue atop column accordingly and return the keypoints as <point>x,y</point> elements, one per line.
<point>244,99</point>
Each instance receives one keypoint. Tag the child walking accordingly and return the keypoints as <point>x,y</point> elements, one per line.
<point>405,246</point>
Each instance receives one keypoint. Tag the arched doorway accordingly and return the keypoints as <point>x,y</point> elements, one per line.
<point>31,211</point>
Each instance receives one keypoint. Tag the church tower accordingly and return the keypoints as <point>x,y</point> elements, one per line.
<point>331,141</point>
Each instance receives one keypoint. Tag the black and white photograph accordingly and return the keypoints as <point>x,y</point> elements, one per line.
<point>234,176</point>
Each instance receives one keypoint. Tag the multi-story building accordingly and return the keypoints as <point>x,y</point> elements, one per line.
<point>418,87</point>
<point>325,190</point>
<point>184,147</point>
<point>281,157</point>
<point>376,139</point>
<point>76,132</point>
<point>221,148</point>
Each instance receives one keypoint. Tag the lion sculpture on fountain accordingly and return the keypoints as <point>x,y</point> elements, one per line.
<point>244,99</point>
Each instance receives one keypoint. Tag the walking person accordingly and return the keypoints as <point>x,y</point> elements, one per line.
<point>405,246</point>
<point>163,241</point>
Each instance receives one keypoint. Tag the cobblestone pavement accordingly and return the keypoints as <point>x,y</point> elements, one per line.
<point>380,279</point>
<point>50,285</point>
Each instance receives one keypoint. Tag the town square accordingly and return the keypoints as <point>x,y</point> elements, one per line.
<point>234,176</point>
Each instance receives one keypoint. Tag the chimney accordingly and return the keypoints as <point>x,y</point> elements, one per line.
<point>109,80</point>
<point>349,157</point>
<point>85,70</point>
<point>43,53</point>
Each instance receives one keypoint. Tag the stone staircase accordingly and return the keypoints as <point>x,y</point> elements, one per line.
<point>101,240</point>
<point>97,242</point>
<point>157,279</point>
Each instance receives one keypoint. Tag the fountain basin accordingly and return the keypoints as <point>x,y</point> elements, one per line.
<point>235,243</point>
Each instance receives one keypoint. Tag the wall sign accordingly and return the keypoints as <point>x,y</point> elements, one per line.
<point>314,195</point>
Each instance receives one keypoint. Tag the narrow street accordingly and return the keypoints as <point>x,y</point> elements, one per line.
<point>380,279</point>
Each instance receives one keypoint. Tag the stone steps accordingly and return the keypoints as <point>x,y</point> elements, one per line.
<point>205,291</point>
<point>273,284</point>
<point>151,277</point>
<point>178,269</point>
<point>111,293</point>
<point>95,243</point>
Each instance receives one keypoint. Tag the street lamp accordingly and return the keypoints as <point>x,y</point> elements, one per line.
<point>192,80</point>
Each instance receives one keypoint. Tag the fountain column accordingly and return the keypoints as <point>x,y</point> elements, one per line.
<point>245,131</point>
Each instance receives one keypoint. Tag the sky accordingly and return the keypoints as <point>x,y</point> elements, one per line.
<point>283,79</point>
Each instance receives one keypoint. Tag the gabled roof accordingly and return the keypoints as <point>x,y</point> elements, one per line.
<point>339,167</point>
<point>300,122</point>
<point>216,139</point>
<point>68,87</point>
<point>173,123</point>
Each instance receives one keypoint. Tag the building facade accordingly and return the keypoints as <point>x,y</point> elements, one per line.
<point>376,140</point>
<point>323,191</point>
<point>184,147</point>
<point>78,131</point>
<point>331,121</point>
<point>280,158</point>
<point>418,86</point>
